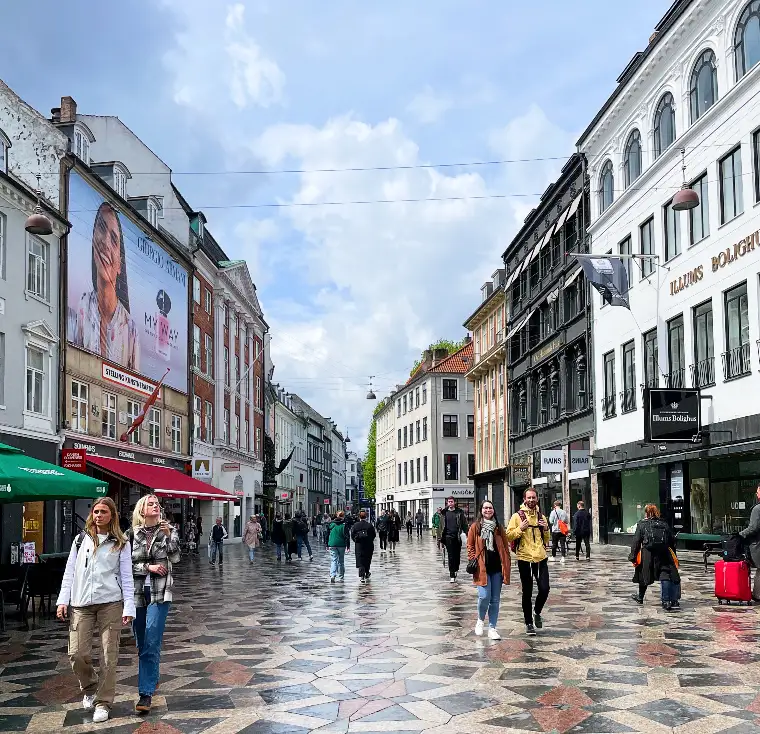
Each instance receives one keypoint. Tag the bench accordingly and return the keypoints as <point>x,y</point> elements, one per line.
<point>712,545</point>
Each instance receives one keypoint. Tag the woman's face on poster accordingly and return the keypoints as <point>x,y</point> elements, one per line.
<point>106,245</point>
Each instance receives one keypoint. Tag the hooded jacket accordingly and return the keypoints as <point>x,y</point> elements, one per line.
<point>337,536</point>
<point>531,543</point>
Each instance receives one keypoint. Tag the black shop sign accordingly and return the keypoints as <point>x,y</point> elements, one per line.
<point>672,415</point>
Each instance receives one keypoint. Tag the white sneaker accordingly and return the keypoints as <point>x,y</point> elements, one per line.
<point>452,580</point>
<point>493,634</point>
<point>100,715</point>
<point>88,702</point>
<point>562,560</point>
<point>479,628</point>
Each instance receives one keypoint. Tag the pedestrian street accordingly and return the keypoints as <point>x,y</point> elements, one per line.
<point>273,648</point>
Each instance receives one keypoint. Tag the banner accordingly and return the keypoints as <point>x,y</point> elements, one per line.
<point>608,275</point>
<point>120,276</point>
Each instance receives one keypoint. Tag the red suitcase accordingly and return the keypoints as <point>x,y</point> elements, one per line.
<point>732,581</point>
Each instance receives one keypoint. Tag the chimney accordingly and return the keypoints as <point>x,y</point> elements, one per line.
<point>653,37</point>
<point>467,340</point>
<point>68,110</point>
<point>55,115</point>
<point>439,355</point>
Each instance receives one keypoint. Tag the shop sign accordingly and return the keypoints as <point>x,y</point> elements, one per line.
<point>672,415</point>
<point>520,475</point>
<point>202,469</point>
<point>326,501</point>
<point>238,493</point>
<point>128,380</point>
<point>463,492</point>
<point>74,460</point>
<point>114,452</point>
<point>579,460</point>
<point>284,495</point>
<point>676,482</point>
<point>231,467</point>
<point>270,484</point>
<point>552,460</point>
<point>389,498</point>
<point>548,349</point>
<point>30,553</point>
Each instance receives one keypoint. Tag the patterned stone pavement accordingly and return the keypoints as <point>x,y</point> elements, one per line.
<point>270,648</point>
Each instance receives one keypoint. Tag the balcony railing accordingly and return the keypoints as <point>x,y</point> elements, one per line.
<point>703,373</point>
<point>628,400</point>
<point>676,379</point>
<point>609,406</point>
<point>736,362</point>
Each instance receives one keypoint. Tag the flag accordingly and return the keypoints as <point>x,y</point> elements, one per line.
<point>148,404</point>
<point>609,276</point>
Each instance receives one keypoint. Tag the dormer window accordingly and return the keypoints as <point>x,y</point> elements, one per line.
<point>120,182</point>
<point>5,144</point>
<point>152,212</point>
<point>82,146</point>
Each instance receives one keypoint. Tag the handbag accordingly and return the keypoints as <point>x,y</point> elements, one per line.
<point>472,566</point>
<point>563,527</point>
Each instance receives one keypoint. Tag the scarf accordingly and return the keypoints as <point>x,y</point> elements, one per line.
<point>486,532</point>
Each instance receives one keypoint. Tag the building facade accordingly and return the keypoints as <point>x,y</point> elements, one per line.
<point>488,428</point>
<point>355,499</point>
<point>548,342</point>
<point>432,453</point>
<point>30,318</point>
<point>290,437</point>
<point>694,297</point>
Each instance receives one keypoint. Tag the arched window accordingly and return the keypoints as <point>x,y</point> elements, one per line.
<point>606,186</point>
<point>664,124</point>
<point>747,39</point>
<point>703,89</point>
<point>632,161</point>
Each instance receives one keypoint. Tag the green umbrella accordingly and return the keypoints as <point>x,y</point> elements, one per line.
<point>24,479</point>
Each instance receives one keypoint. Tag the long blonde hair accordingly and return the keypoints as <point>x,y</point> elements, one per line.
<point>113,528</point>
<point>138,516</point>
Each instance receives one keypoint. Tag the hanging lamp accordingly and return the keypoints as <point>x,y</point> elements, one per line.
<point>686,198</point>
<point>37,222</point>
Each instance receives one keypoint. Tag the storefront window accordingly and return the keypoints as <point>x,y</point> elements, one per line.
<point>640,487</point>
<point>699,497</point>
<point>615,509</point>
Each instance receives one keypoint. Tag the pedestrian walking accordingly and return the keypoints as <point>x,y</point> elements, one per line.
<point>558,521</point>
<point>278,536</point>
<point>155,548</point>
<point>528,530</point>
<point>487,544</point>
<point>409,522</point>
<point>394,530</point>
<point>216,540</point>
<point>190,533</point>
<point>301,529</point>
<point>252,536</point>
<point>363,535</point>
<point>751,538</point>
<point>264,527</point>
<point>337,543</point>
<point>419,520</point>
<point>97,593</point>
<point>653,553</point>
<point>313,527</point>
<point>582,530</point>
<point>290,538</point>
<point>198,532</point>
<point>453,528</point>
<point>383,528</point>
<point>437,529</point>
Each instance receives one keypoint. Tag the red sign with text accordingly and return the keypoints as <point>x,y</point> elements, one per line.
<point>74,460</point>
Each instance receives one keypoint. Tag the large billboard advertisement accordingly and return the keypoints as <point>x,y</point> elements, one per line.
<point>127,297</point>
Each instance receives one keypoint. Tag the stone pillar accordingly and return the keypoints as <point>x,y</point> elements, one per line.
<point>249,411</point>
<point>219,377</point>
<point>233,377</point>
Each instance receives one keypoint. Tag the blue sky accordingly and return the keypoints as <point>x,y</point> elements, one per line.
<point>355,290</point>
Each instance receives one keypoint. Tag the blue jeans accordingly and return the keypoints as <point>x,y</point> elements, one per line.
<point>148,628</point>
<point>489,598</point>
<point>279,551</point>
<point>217,547</point>
<point>303,540</point>
<point>251,552</point>
<point>669,591</point>
<point>337,564</point>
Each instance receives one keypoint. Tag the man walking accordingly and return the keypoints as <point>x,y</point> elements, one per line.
<point>453,526</point>
<point>529,531</point>
<point>301,527</point>
<point>337,542</point>
<point>218,534</point>
<point>582,530</point>
<point>419,521</point>
<point>751,536</point>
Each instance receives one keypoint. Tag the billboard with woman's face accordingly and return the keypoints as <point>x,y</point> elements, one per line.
<point>127,297</point>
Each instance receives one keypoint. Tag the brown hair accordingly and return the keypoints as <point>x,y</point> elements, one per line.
<point>651,511</point>
<point>113,528</point>
<point>362,514</point>
<point>340,514</point>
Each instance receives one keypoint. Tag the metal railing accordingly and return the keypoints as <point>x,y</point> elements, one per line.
<point>703,373</point>
<point>628,400</point>
<point>736,362</point>
<point>609,406</point>
<point>676,379</point>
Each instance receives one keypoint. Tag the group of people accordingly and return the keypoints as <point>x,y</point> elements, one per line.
<point>290,535</point>
<point>114,579</point>
<point>417,520</point>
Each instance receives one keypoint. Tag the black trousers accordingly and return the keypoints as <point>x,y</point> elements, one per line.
<point>383,540</point>
<point>409,530</point>
<point>578,541</point>
<point>562,540</point>
<point>529,571</point>
<point>454,552</point>
<point>419,529</point>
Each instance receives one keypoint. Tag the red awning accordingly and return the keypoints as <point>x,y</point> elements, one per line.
<point>163,481</point>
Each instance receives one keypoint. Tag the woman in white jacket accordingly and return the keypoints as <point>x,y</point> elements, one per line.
<point>99,589</point>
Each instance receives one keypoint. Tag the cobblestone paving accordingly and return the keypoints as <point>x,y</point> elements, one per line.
<point>270,649</point>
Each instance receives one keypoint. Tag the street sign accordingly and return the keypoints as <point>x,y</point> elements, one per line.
<point>671,415</point>
<point>74,460</point>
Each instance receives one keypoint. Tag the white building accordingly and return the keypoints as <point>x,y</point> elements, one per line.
<point>422,445</point>
<point>695,87</point>
<point>290,435</point>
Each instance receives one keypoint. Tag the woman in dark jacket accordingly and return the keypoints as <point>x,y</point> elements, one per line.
<point>278,536</point>
<point>655,562</point>
<point>393,530</point>
<point>582,530</point>
<point>363,535</point>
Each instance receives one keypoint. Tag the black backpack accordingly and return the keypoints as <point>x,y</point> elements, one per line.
<point>732,548</point>
<point>361,534</point>
<point>656,536</point>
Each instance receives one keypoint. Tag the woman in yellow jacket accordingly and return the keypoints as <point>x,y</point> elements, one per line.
<point>529,531</point>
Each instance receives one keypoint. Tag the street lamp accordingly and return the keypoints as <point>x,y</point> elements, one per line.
<point>37,222</point>
<point>370,394</point>
<point>686,198</point>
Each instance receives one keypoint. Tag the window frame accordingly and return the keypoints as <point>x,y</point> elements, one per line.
<point>706,59</point>
<point>197,417</point>
<point>109,412</point>
<point>470,426</point>
<point>34,373</point>
<point>606,175</point>
<point>676,328</point>
<point>703,312</point>
<point>731,370</point>
<point>134,408</point>
<point>628,358</point>
<point>700,185</point>
<point>208,421</point>
<point>608,372</point>
<point>666,101</point>
<point>450,423</point>
<point>209,350</point>
<point>737,185</point>
<point>647,265</point>
<point>425,468</point>
<point>154,428</point>
<point>755,162</point>
<point>196,355</point>
<point>424,429</point>
<point>447,384</point>
<point>41,261</point>
<point>176,433</point>
<point>633,137</point>
<point>650,358</point>
<point>625,247</point>
<point>207,302</point>
<point>671,239</point>
<point>78,400</point>
<point>751,10</point>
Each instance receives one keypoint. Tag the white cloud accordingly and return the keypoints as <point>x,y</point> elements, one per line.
<point>427,107</point>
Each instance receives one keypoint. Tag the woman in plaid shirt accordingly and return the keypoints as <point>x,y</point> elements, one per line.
<point>155,547</point>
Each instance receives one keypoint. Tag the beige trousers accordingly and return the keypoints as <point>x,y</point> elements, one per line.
<point>105,619</point>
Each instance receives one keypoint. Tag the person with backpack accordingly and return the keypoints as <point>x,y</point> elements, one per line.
<point>278,536</point>
<point>97,592</point>
<point>653,553</point>
<point>488,547</point>
<point>216,541</point>
<point>363,535</point>
<point>453,527</point>
<point>383,527</point>
<point>338,541</point>
<point>558,521</point>
<point>394,530</point>
<point>301,529</point>
<point>528,531</point>
<point>582,530</point>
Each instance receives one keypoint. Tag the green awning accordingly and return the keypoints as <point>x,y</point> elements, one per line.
<point>25,479</point>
